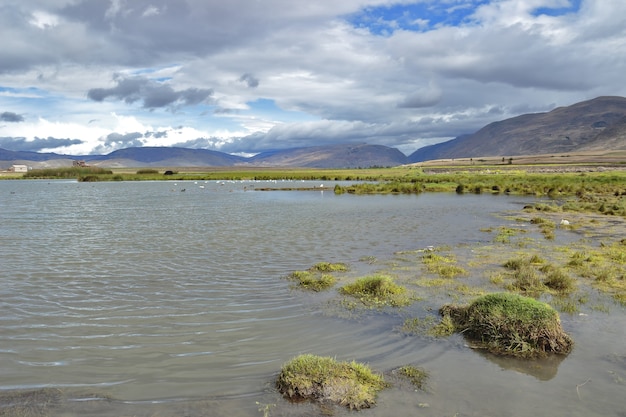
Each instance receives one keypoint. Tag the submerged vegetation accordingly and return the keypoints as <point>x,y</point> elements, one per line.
<point>324,379</point>
<point>417,376</point>
<point>510,324</point>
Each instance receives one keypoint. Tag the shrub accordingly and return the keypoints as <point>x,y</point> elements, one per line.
<point>511,324</point>
<point>323,379</point>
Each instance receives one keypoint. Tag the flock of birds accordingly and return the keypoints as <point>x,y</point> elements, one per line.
<point>245,188</point>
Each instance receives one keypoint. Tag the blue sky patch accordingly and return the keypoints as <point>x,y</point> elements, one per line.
<point>417,17</point>
<point>574,6</point>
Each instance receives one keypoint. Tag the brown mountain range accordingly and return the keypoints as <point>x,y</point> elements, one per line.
<point>598,124</point>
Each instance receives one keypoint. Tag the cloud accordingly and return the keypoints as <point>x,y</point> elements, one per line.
<point>151,93</point>
<point>11,117</point>
<point>250,80</point>
<point>37,144</point>
<point>423,97</point>
<point>252,75</point>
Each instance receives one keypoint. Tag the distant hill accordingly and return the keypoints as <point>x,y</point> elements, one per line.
<point>165,156</point>
<point>593,125</point>
<point>598,124</point>
<point>334,156</point>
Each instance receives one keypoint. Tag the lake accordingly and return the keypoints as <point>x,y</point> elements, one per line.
<point>170,299</point>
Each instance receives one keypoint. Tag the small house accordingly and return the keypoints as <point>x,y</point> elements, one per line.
<point>18,168</point>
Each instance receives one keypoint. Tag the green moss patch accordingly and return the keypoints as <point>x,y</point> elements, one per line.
<point>511,324</point>
<point>324,379</point>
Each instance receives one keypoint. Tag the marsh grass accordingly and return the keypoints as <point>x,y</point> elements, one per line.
<point>505,233</point>
<point>604,266</point>
<point>323,379</point>
<point>79,173</point>
<point>533,276</point>
<point>310,281</point>
<point>546,226</point>
<point>510,324</point>
<point>428,326</point>
<point>444,266</point>
<point>378,291</point>
<point>558,279</point>
<point>317,278</point>
<point>330,267</point>
<point>416,376</point>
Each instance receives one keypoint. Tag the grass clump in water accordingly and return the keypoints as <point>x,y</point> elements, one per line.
<point>329,267</point>
<point>378,290</point>
<point>605,267</point>
<point>317,278</point>
<point>314,282</point>
<point>325,380</point>
<point>558,279</point>
<point>532,276</point>
<point>511,324</point>
<point>444,266</point>
<point>505,233</point>
<point>417,376</point>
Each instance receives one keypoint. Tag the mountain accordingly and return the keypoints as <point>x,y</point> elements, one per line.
<point>598,124</point>
<point>6,155</point>
<point>333,156</point>
<point>165,156</point>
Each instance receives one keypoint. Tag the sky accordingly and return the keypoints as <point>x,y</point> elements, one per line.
<point>82,77</point>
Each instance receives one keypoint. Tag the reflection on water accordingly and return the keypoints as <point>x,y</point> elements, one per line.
<point>139,299</point>
<point>543,369</point>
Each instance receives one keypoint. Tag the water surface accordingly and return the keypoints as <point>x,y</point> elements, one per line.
<point>175,302</point>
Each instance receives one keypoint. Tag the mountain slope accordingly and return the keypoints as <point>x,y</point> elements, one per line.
<point>335,156</point>
<point>596,124</point>
<point>168,156</point>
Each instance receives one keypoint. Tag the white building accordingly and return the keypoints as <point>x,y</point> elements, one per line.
<point>18,168</point>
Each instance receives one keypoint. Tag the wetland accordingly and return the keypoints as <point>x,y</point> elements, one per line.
<point>125,298</point>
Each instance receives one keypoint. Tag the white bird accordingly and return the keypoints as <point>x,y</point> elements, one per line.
<point>564,222</point>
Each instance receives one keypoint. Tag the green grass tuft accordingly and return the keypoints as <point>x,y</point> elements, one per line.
<point>511,324</point>
<point>324,379</point>
<point>378,290</point>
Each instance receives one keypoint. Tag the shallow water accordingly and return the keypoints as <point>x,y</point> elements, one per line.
<point>172,302</point>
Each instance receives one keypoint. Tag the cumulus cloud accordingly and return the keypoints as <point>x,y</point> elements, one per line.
<point>127,140</point>
<point>37,144</point>
<point>151,93</point>
<point>11,117</point>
